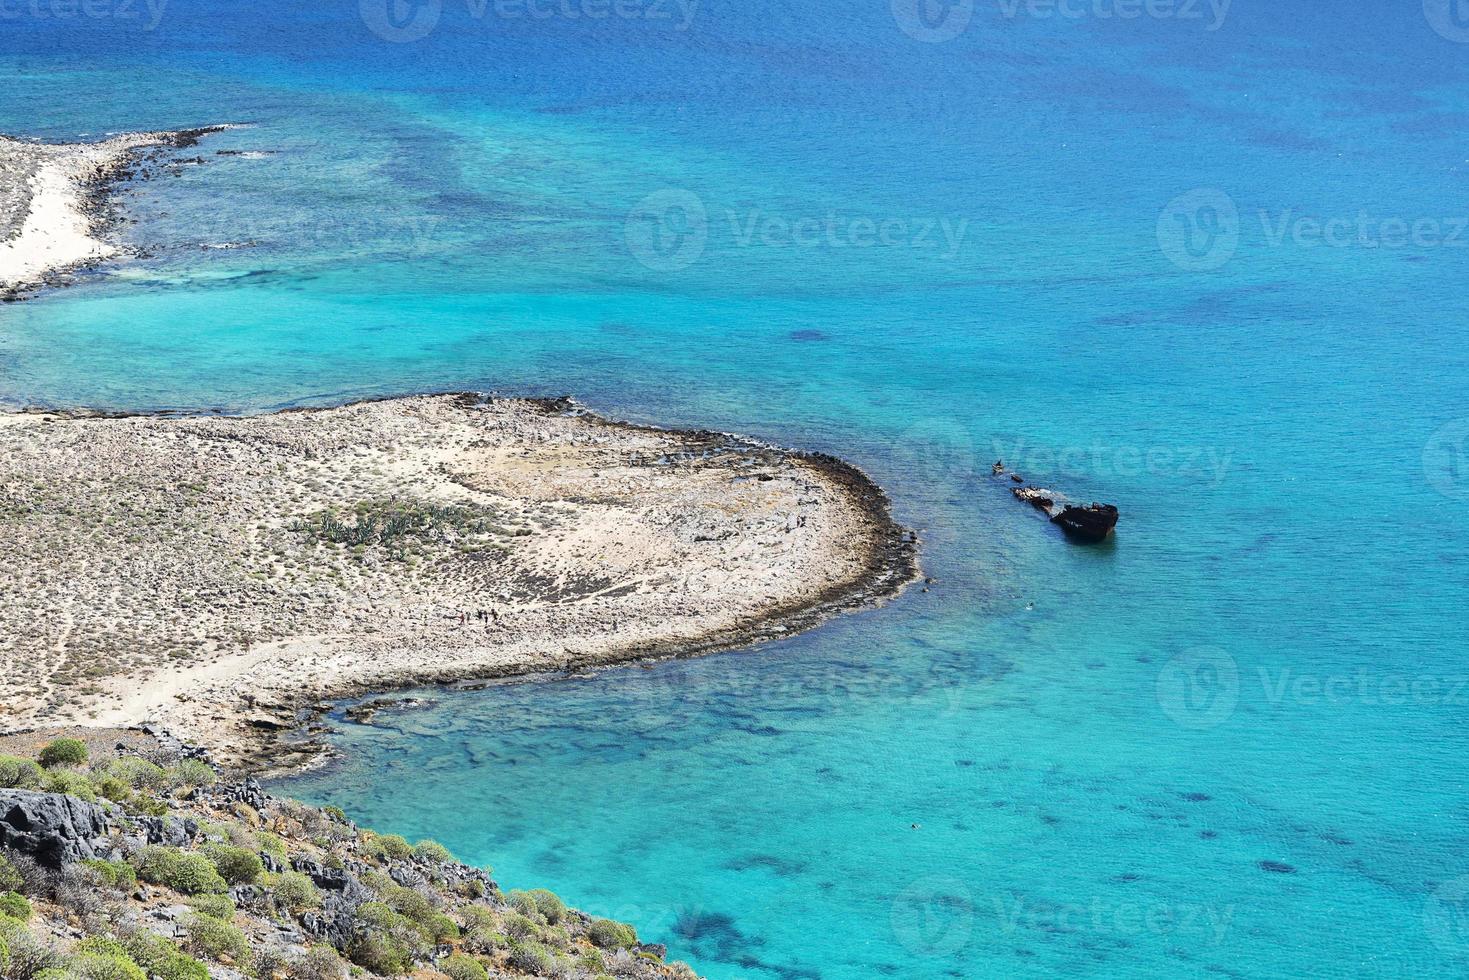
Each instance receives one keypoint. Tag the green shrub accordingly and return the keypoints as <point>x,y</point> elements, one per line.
<point>17,773</point>
<point>377,882</point>
<point>71,783</point>
<point>111,788</point>
<point>485,939</point>
<point>431,852</point>
<point>15,906</point>
<point>387,939</point>
<point>9,926</point>
<point>29,957</point>
<point>518,926</point>
<point>318,963</point>
<point>380,917</point>
<point>235,864</point>
<point>64,752</point>
<point>271,844</point>
<point>189,773</point>
<point>479,917</point>
<point>192,874</point>
<point>215,938</point>
<point>295,891</point>
<point>4,956</point>
<point>440,928</point>
<point>162,959</point>
<point>103,966</point>
<point>461,967</point>
<point>532,958</point>
<point>218,906</point>
<point>140,805</point>
<point>112,874</point>
<point>381,955</point>
<point>335,812</point>
<point>11,880</point>
<point>102,946</point>
<point>541,901</point>
<point>268,960</point>
<point>134,772</point>
<point>390,847</point>
<point>612,935</point>
<point>406,901</point>
<point>524,903</point>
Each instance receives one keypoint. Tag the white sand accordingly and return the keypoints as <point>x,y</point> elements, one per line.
<point>46,221</point>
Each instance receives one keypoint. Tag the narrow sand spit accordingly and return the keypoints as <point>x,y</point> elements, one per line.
<point>49,217</point>
<point>222,576</point>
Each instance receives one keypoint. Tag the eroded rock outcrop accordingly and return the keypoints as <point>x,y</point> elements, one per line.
<point>50,828</point>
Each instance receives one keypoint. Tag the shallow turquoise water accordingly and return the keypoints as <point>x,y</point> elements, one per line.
<point>1099,747</point>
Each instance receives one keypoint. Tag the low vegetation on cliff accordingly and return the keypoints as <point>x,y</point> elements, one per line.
<point>131,868</point>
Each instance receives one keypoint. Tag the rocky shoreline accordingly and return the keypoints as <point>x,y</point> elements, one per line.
<point>126,854</point>
<point>56,202</point>
<point>591,542</point>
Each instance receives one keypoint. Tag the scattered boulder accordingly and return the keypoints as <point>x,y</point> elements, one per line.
<point>168,831</point>
<point>52,829</point>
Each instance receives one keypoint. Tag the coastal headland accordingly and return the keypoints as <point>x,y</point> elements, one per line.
<point>224,576</point>
<point>54,202</point>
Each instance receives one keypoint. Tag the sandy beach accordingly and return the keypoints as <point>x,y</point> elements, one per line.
<point>50,217</point>
<point>222,576</point>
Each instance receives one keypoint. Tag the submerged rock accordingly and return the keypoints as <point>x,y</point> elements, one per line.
<point>1036,497</point>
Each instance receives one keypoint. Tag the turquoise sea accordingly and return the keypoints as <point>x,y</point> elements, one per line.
<point>1205,261</point>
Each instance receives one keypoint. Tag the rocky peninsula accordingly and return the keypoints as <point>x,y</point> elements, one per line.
<point>53,202</point>
<point>224,576</point>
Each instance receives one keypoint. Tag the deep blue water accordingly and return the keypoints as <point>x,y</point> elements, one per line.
<point>1205,262</point>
